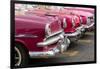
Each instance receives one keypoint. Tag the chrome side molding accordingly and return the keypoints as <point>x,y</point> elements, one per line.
<point>26,36</point>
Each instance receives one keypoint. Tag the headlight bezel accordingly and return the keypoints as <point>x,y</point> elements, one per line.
<point>81,20</point>
<point>47,30</point>
<point>64,23</point>
<point>88,20</point>
<point>73,22</point>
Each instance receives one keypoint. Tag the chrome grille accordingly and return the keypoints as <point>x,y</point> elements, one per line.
<point>90,20</point>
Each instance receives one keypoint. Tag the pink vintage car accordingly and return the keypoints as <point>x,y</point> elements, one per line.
<point>71,23</point>
<point>38,36</point>
<point>86,16</point>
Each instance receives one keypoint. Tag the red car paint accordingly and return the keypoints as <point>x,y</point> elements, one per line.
<point>33,27</point>
<point>61,15</point>
<point>84,13</point>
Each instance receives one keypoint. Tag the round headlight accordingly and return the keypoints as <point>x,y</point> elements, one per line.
<point>64,23</point>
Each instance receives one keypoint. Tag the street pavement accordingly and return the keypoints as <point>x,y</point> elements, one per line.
<point>81,51</point>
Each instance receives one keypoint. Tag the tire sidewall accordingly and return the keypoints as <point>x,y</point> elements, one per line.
<point>24,56</point>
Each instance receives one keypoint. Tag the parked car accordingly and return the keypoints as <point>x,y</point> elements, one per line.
<point>38,36</point>
<point>71,23</point>
<point>86,16</point>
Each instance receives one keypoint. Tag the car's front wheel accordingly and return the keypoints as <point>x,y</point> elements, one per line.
<point>21,57</point>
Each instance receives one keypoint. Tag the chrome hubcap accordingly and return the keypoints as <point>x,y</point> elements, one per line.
<point>17,57</point>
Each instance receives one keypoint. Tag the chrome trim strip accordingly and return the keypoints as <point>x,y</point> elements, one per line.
<point>78,31</point>
<point>40,54</point>
<point>86,26</point>
<point>26,36</point>
<point>54,34</point>
<point>80,27</point>
<point>73,34</point>
<point>51,40</point>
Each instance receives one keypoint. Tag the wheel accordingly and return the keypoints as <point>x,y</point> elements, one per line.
<point>21,57</point>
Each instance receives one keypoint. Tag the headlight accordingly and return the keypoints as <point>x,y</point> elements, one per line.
<point>64,23</point>
<point>81,20</point>
<point>73,22</point>
<point>47,30</point>
<point>88,20</point>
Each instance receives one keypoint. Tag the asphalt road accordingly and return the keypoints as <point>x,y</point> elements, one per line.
<point>81,51</point>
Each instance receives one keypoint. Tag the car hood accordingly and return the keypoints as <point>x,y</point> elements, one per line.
<point>36,19</point>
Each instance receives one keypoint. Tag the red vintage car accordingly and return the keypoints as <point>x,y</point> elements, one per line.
<point>86,16</point>
<point>38,36</point>
<point>71,23</point>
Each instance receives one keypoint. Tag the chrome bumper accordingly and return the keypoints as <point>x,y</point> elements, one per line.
<point>60,48</point>
<point>51,40</point>
<point>41,54</point>
<point>81,28</point>
<point>73,36</point>
<point>76,35</point>
<point>62,45</point>
<point>78,31</point>
<point>89,26</point>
